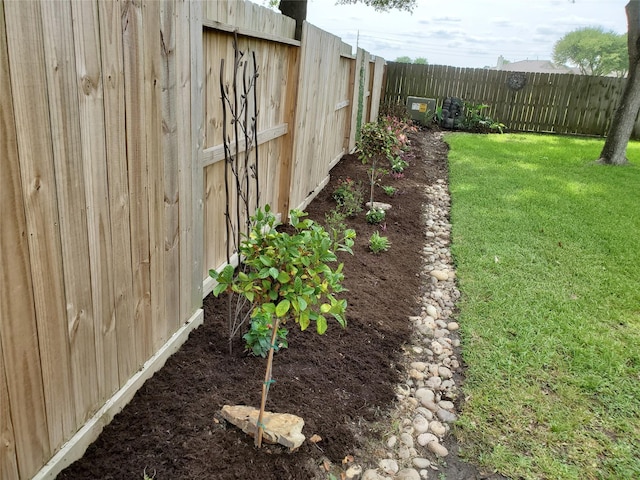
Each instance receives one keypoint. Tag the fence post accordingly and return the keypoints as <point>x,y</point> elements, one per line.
<point>197,139</point>
<point>348,128</point>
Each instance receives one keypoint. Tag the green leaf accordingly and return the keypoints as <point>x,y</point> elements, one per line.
<point>273,295</point>
<point>250,295</point>
<point>274,272</point>
<point>264,273</point>
<point>325,308</point>
<point>304,321</point>
<point>219,288</point>
<point>266,261</point>
<point>284,277</point>
<point>283,307</point>
<point>321,324</point>
<point>302,303</point>
<point>341,320</point>
<point>269,308</point>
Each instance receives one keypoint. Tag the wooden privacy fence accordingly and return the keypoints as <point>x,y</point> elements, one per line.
<point>112,193</point>
<point>308,96</point>
<point>548,102</point>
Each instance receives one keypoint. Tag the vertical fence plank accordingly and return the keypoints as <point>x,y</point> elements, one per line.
<point>67,152</point>
<point>133,49</point>
<point>116,156</point>
<point>197,138</point>
<point>185,210</point>
<point>29,86</point>
<point>171,231</point>
<point>288,143</point>
<point>376,87</point>
<point>8,460</point>
<point>90,98</point>
<point>155,181</point>
<point>23,429</point>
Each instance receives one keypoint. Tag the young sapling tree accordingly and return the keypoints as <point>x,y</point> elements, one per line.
<point>288,277</point>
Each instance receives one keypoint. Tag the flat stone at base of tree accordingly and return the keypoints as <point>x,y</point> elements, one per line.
<point>379,206</point>
<point>282,428</point>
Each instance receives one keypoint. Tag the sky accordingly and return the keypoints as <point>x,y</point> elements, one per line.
<point>466,33</point>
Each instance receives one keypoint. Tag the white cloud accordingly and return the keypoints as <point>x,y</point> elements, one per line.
<point>501,21</point>
<point>447,20</point>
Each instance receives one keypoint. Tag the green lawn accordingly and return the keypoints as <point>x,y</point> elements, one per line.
<point>547,247</point>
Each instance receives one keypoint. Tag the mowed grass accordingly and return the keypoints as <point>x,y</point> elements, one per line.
<point>547,251</point>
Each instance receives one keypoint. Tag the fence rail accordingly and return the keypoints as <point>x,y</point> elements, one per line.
<point>112,187</point>
<point>548,102</point>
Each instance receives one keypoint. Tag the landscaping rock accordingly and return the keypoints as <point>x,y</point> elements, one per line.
<point>282,428</point>
<point>389,466</point>
<point>426,438</point>
<point>421,463</point>
<point>371,474</point>
<point>440,275</point>
<point>379,206</point>
<point>437,428</point>
<point>446,416</point>
<point>438,449</point>
<point>420,424</point>
<point>425,394</point>
<point>408,474</point>
<point>353,472</point>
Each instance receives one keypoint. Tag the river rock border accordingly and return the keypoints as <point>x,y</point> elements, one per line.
<point>425,408</point>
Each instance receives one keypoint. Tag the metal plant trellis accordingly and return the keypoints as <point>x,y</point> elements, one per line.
<point>241,176</point>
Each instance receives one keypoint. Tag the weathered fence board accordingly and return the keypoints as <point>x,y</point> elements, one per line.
<point>115,142</point>
<point>29,85</point>
<point>24,428</point>
<point>557,103</point>
<point>67,151</point>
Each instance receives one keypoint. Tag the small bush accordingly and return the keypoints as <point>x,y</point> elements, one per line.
<point>378,243</point>
<point>288,276</point>
<point>349,197</point>
<point>375,216</point>
<point>398,165</point>
<point>335,224</point>
<point>389,190</point>
<point>474,119</point>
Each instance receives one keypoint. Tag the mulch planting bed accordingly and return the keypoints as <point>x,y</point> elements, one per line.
<point>340,383</point>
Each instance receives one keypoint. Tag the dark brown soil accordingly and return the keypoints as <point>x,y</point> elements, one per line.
<point>341,383</point>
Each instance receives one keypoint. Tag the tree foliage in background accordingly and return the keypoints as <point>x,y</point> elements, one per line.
<point>417,61</point>
<point>385,5</point>
<point>593,50</point>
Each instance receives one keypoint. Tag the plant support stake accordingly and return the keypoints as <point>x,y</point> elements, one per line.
<point>266,384</point>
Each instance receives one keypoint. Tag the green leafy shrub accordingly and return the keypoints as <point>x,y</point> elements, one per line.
<point>258,338</point>
<point>288,277</point>
<point>378,243</point>
<point>335,224</point>
<point>398,165</point>
<point>375,216</point>
<point>377,142</point>
<point>389,190</point>
<point>349,197</point>
<point>474,119</point>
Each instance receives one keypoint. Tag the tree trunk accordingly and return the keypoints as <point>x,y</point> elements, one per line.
<point>296,9</point>
<point>615,147</point>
